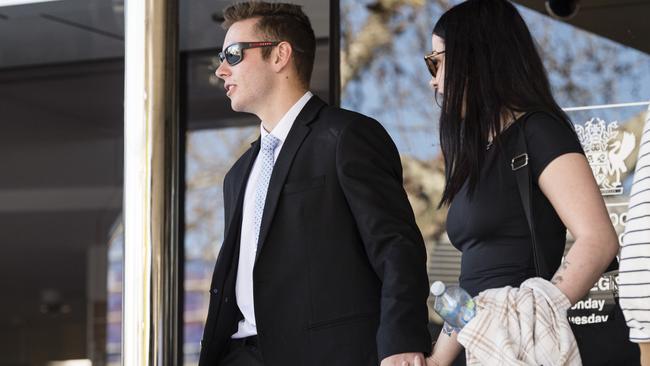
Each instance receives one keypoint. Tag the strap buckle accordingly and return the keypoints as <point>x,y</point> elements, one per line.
<point>519,161</point>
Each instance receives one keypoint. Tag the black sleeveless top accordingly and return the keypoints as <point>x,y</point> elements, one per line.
<point>490,229</point>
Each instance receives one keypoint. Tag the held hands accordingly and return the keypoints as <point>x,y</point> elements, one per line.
<point>410,359</point>
<point>404,359</point>
<point>430,361</point>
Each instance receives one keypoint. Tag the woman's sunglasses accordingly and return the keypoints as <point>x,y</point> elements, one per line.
<point>432,62</point>
<point>234,53</point>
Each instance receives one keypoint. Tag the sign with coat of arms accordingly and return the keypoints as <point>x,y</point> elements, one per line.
<point>606,149</point>
<point>607,145</point>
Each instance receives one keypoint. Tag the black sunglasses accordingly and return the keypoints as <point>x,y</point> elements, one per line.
<point>234,53</point>
<point>432,62</point>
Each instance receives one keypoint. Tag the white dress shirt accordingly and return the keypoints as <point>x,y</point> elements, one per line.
<point>248,246</point>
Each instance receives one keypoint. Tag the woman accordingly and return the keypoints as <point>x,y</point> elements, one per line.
<point>485,66</point>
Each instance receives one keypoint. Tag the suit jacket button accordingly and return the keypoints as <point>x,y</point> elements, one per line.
<point>215,291</point>
<point>225,299</point>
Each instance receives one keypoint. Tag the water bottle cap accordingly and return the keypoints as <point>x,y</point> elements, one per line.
<point>438,288</point>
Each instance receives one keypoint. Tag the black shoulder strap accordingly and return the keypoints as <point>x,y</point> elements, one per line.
<point>519,165</point>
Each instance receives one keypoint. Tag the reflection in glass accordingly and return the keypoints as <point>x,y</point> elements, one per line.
<point>114,298</point>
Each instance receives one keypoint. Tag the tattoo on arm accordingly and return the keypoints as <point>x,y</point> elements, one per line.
<point>558,275</point>
<point>556,279</point>
<point>564,265</point>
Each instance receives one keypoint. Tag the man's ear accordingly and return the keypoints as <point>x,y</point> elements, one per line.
<point>282,56</point>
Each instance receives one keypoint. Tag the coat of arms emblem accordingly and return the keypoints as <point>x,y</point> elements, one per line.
<point>606,152</point>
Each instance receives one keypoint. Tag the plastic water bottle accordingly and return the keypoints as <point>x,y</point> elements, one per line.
<point>453,304</point>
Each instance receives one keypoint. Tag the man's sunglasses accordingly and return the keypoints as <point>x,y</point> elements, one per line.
<point>234,53</point>
<point>432,62</point>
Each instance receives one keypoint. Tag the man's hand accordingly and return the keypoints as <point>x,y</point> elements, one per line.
<point>404,359</point>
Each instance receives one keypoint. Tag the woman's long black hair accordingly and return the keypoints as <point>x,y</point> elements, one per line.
<point>492,68</point>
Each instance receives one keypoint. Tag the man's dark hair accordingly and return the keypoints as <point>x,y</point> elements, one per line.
<point>279,22</point>
<point>492,67</point>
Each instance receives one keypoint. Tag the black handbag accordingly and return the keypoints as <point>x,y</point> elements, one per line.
<point>600,343</point>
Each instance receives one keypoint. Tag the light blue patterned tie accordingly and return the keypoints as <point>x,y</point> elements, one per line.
<point>269,143</point>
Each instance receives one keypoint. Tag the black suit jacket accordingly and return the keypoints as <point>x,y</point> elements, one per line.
<point>340,274</point>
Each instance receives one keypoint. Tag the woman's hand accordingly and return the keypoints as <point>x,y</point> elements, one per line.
<point>433,361</point>
<point>430,361</point>
<point>445,350</point>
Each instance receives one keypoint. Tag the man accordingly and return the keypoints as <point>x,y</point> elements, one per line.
<point>322,262</point>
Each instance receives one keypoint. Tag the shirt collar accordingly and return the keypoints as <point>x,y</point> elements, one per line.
<point>281,130</point>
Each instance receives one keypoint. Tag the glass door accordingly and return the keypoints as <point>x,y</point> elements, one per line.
<point>61,143</point>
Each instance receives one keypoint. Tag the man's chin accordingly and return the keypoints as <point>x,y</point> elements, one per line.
<point>238,107</point>
<point>234,106</point>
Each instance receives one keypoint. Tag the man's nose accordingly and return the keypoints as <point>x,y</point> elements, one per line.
<point>222,70</point>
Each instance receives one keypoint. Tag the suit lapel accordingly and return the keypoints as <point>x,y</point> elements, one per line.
<point>296,136</point>
<point>239,188</point>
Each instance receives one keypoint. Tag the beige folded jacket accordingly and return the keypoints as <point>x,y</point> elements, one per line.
<point>521,326</point>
